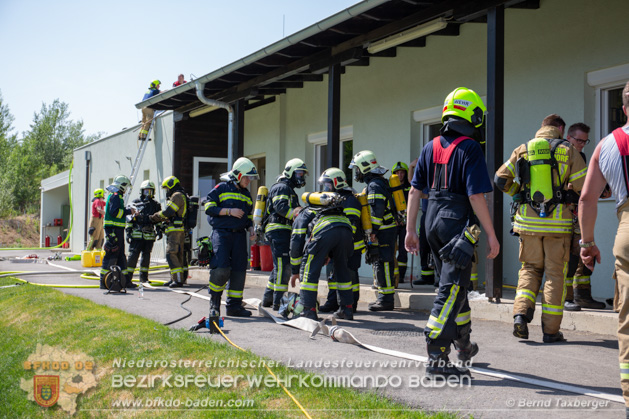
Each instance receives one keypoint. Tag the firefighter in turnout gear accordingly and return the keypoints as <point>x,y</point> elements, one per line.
<point>401,170</point>
<point>141,232</point>
<point>537,175</point>
<point>281,209</point>
<point>115,217</point>
<point>381,246</point>
<point>174,213</point>
<point>148,113</point>
<point>96,231</point>
<point>321,233</point>
<point>333,180</point>
<point>229,210</point>
<point>452,167</point>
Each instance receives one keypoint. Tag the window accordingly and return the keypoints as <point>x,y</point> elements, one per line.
<point>346,152</point>
<point>608,84</point>
<point>111,180</point>
<point>147,175</point>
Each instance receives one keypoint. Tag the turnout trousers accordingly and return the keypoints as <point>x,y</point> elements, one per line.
<point>621,268</point>
<point>136,248</point>
<point>338,244</point>
<point>174,254</point>
<point>278,280</point>
<point>114,252</point>
<point>450,317</point>
<point>229,263</point>
<point>543,255</point>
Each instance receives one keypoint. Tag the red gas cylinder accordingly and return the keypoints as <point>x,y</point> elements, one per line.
<point>255,257</point>
<point>59,239</point>
<point>47,241</point>
<point>266,258</point>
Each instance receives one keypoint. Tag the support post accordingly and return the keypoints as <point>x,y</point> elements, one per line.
<point>334,116</point>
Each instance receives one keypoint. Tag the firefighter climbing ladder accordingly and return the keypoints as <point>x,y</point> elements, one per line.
<point>138,158</point>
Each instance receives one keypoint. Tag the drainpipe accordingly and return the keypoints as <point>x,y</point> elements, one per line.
<point>88,160</point>
<point>230,126</point>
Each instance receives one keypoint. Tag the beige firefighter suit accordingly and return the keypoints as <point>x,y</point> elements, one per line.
<point>544,242</point>
<point>174,212</point>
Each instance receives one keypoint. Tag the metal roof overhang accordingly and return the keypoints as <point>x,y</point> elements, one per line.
<point>342,39</point>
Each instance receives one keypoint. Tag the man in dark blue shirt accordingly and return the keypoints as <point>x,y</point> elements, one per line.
<point>148,113</point>
<point>453,167</point>
<point>229,208</point>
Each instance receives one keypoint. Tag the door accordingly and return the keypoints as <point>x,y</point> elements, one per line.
<point>207,172</point>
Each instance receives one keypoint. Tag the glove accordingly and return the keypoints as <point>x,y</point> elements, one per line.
<point>460,250</point>
<point>91,231</point>
<point>373,254</point>
<point>155,218</point>
<point>159,234</point>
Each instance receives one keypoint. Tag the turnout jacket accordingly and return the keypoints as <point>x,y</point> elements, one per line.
<point>351,208</point>
<point>281,202</point>
<point>115,212</point>
<point>229,195</point>
<point>571,169</point>
<point>174,212</point>
<point>141,227</point>
<point>310,226</point>
<point>380,202</point>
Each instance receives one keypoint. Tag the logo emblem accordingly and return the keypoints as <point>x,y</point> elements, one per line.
<point>46,389</point>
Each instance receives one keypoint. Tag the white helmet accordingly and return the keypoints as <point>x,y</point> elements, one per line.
<point>241,167</point>
<point>293,166</point>
<point>335,177</point>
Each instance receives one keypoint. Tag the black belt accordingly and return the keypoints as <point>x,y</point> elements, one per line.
<point>233,230</point>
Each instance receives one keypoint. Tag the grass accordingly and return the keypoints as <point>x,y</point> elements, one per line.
<point>30,315</point>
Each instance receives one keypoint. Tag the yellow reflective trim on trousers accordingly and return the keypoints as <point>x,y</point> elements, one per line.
<point>624,371</point>
<point>474,277</point>
<point>464,318</point>
<point>216,288</point>
<point>446,310</point>
<point>376,196</point>
<point>434,323</point>
<point>355,287</point>
<point>581,280</point>
<point>176,270</point>
<point>359,245</point>
<point>270,285</point>
<point>234,294</point>
<point>431,272</point>
<point>387,276</point>
<point>304,279</point>
<point>295,261</point>
<point>569,281</point>
<point>104,271</point>
<point>332,285</point>
<point>578,175</point>
<point>300,231</point>
<point>343,286</point>
<point>524,293</point>
<point>553,311</point>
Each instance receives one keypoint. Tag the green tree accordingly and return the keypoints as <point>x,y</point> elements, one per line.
<point>8,142</point>
<point>45,150</point>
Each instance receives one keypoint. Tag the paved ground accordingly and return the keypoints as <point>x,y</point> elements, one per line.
<point>587,360</point>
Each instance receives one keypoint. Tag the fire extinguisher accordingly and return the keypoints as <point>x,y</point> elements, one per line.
<point>59,239</point>
<point>255,257</point>
<point>47,241</point>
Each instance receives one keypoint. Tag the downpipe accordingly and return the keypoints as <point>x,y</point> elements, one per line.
<point>230,127</point>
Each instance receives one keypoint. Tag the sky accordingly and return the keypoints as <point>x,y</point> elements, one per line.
<point>99,57</point>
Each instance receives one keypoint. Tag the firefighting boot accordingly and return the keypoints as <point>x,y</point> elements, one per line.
<point>144,277</point>
<point>570,305</point>
<point>384,303</point>
<point>267,298</point>
<point>520,327</point>
<point>310,313</point>
<point>237,310</point>
<point>583,297</point>
<point>346,313</point>
<point>439,365</point>
<point>128,282</point>
<point>466,349</point>
<point>102,282</point>
<point>177,281</point>
<point>555,337</point>
<point>331,303</point>
<point>356,298</point>
<point>215,303</point>
<point>425,279</point>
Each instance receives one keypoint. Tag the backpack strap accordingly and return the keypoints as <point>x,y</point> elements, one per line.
<point>441,157</point>
<point>622,141</point>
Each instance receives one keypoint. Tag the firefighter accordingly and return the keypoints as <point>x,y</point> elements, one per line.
<point>228,208</point>
<point>452,166</point>
<point>115,216</point>
<point>578,288</point>
<point>321,233</point>
<point>95,231</point>
<point>537,175</point>
<point>334,180</point>
<point>425,254</point>
<point>608,164</point>
<point>148,113</point>
<point>401,170</point>
<point>141,232</point>
<point>381,246</point>
<point>174,214</point>
<point>281,209</point>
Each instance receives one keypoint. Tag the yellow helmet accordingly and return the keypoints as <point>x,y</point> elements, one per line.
<point>154,84</point>
<point>99,193</point>
<point>334,176</point>
<point>170,182</point>
<point>242,167</point>
<point>465,103</point>
<point>296,165</point>
<point>399,166</point>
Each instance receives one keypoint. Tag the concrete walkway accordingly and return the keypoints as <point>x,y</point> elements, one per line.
<point>588,359</point>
